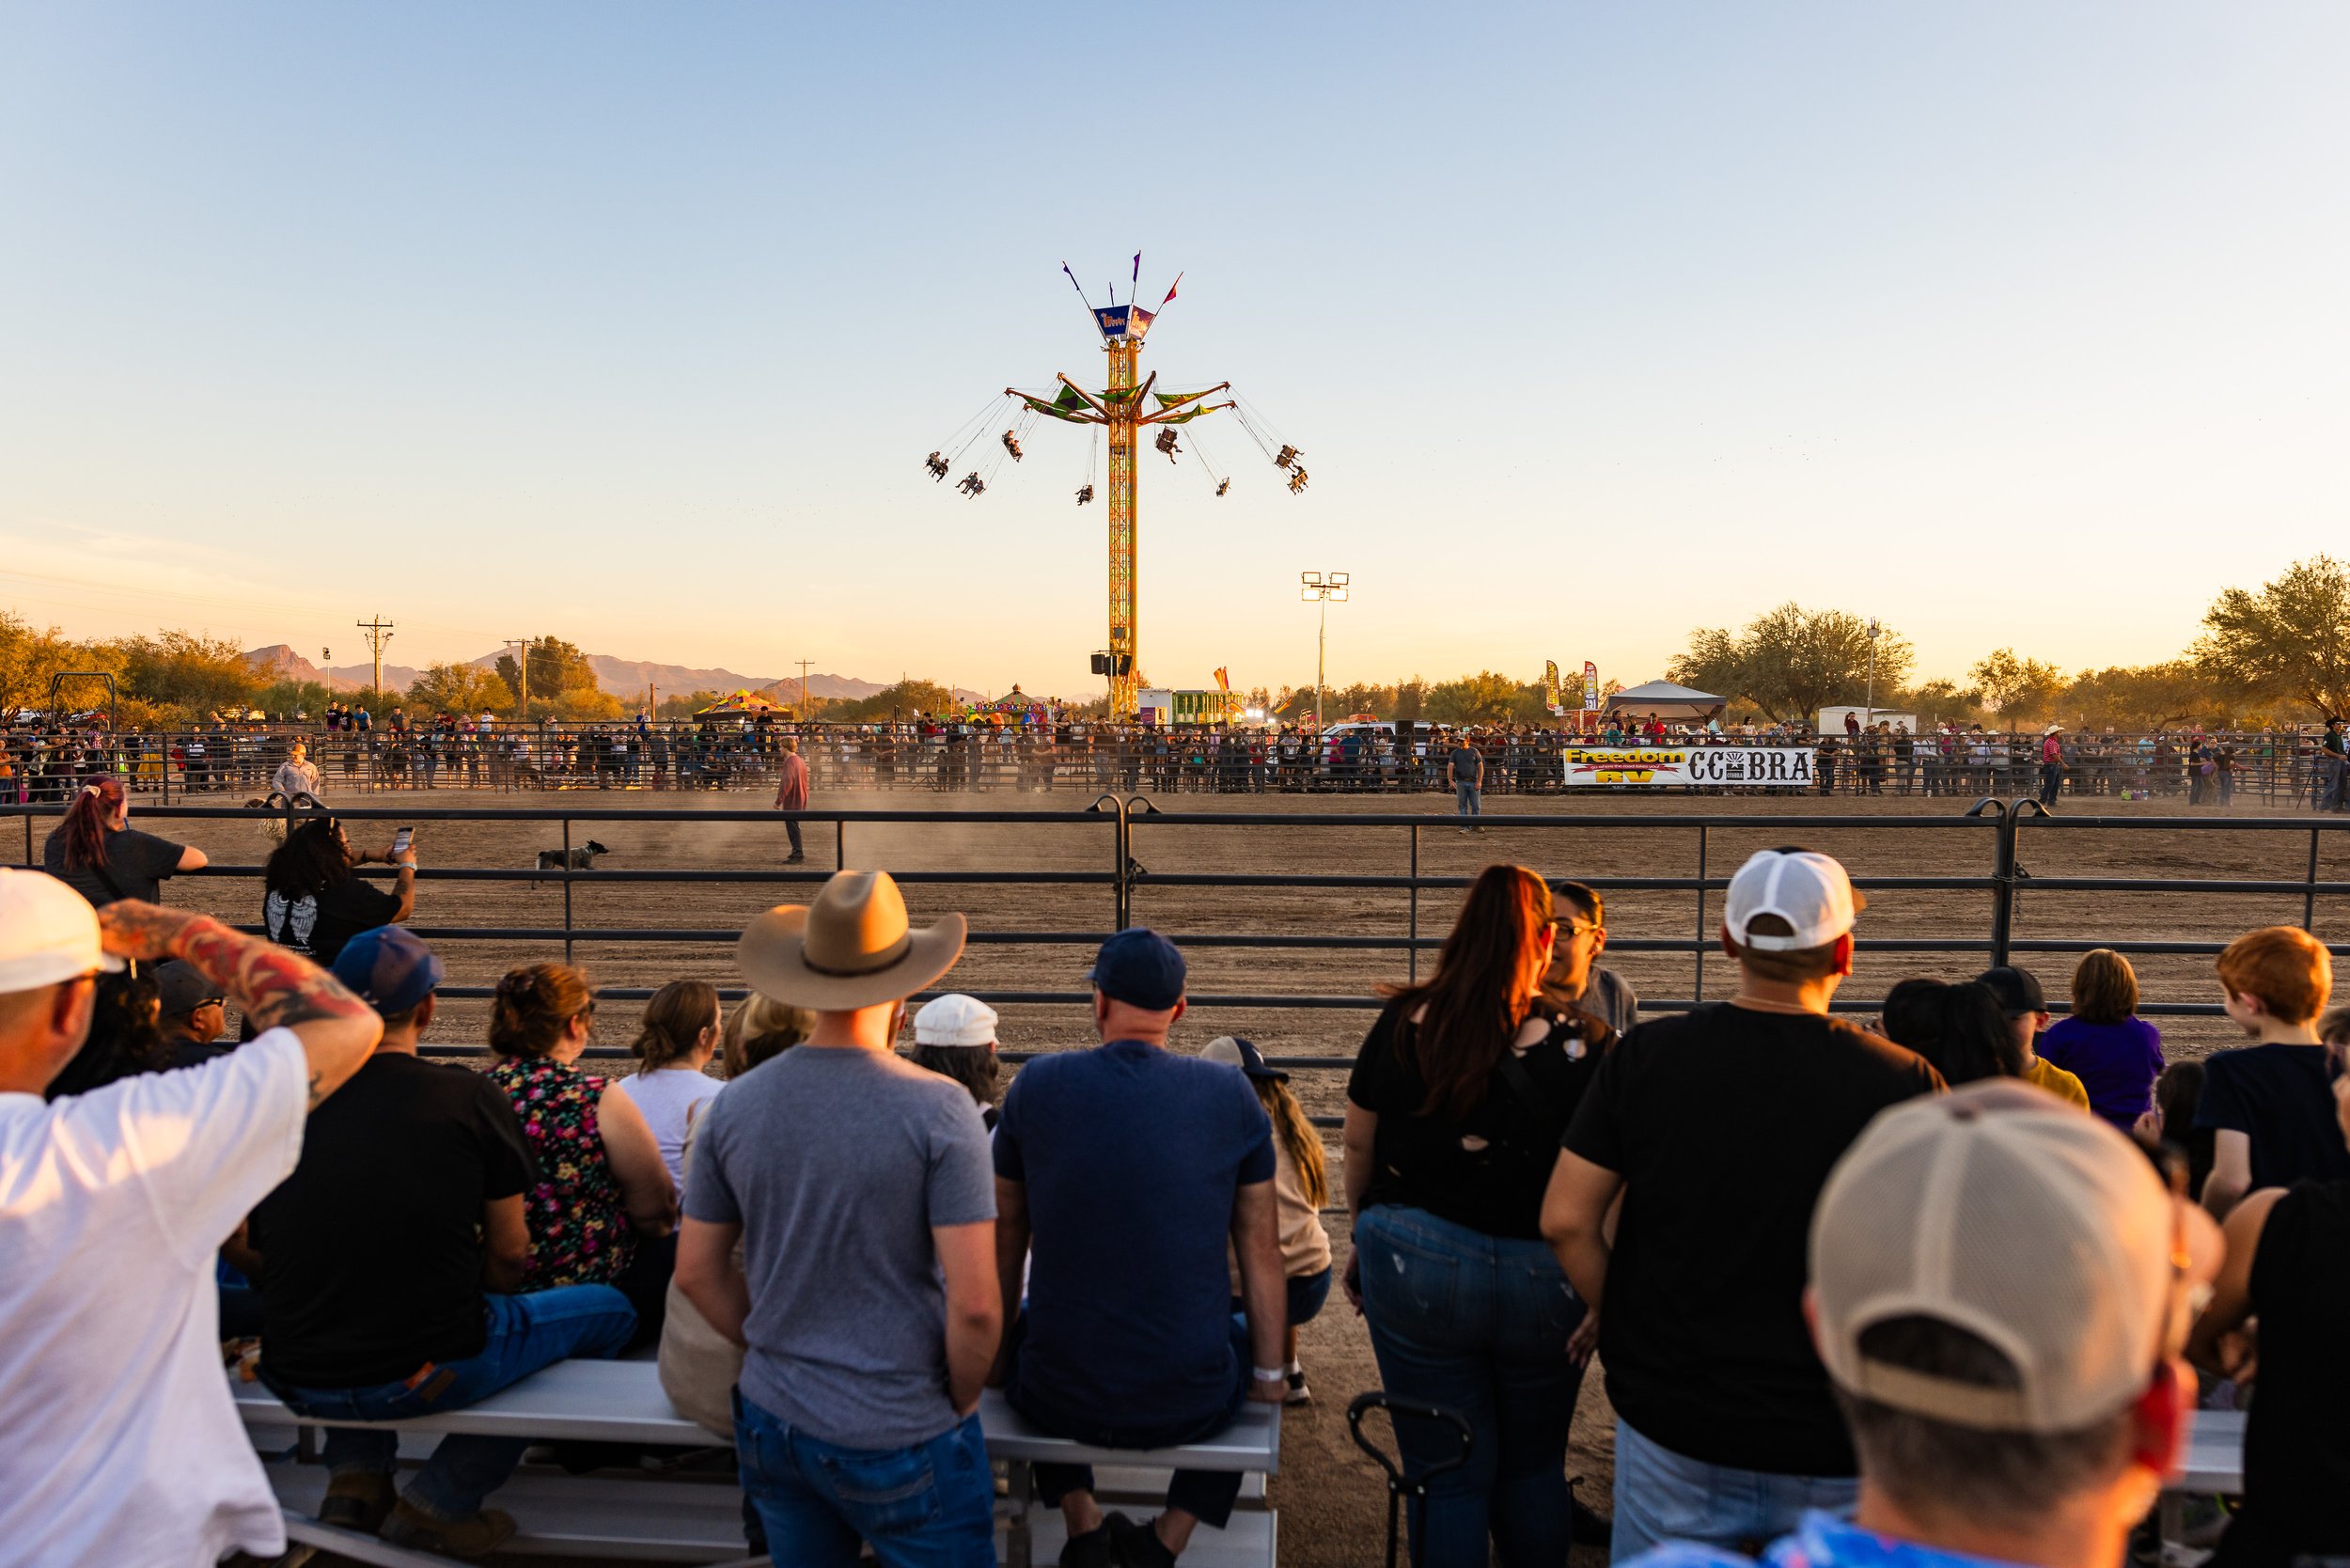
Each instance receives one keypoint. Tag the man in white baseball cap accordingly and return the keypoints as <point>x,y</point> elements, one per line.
<point>123,1445</point>
<point>2000,1289</point>
<point>1718,1126</point>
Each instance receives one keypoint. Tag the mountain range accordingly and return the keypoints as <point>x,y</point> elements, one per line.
<point>623,678</point>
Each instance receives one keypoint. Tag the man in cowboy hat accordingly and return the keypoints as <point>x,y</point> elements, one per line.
<point>1130,1166</point>
<point>2051,764</point>
<point>858,1186</point>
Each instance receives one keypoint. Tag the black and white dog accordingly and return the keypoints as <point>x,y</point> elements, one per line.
<point>583,859</point>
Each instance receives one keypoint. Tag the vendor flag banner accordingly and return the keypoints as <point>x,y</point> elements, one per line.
<point>1751,767</point>
<point>1591,687</point>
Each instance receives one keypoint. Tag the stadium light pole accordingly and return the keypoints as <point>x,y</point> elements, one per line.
<point>1875,632</point>
<point>1320,588</point>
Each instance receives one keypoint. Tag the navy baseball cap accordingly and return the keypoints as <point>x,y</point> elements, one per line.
<point>2018,989</point>
<point>1139,968</point>
<point>389,968</point>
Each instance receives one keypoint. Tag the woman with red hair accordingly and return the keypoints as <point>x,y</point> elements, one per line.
<point>97,854</point>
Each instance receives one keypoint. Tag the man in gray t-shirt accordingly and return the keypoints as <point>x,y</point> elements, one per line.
<point>860,1189</point>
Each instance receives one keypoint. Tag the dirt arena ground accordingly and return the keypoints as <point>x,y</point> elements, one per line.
<point>1331,1499</point>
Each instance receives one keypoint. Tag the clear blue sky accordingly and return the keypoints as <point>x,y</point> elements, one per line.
<point>2011,323</point>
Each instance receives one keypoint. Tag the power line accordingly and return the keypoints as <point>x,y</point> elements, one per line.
<point>379,632</point>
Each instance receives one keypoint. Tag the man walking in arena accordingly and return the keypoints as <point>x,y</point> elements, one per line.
<point>791,794</point>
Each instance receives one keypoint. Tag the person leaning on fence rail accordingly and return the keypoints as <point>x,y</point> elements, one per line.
<point>391,1266</point>
<point>2116,1055</point>
<point>1718,1127</point>
<point>310,900</point>
<point>604,1210</point>
<point>1135,1345</point>
<point>2275,1323</point>
<point>857,1184</point>
<point>123,1441</point>
<point>96,852</point>
<point>297,775</point>
<point>1575,977</point>
<point>1454,1110</point>
<point>2014,1391</point>
<point>2268,1103</point>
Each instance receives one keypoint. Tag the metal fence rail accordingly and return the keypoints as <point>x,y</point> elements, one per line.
<point>1989,839</point>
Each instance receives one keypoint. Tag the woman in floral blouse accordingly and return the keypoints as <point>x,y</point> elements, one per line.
<point>604,1211</point>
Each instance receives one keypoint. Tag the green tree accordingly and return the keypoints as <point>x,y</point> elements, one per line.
<point>2145,697</point>
<point>30,656</point>
<point>1791,661</point>
<point>2290,639</point>
<point>1483,697</point>
<point>900,700</point>
<point>2017,688</point>
<point>1940,700</point>
<point>555,668</point>
<point>461,689</point>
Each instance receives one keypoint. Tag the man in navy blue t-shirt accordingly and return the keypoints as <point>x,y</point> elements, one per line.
<point>1128,1169</point>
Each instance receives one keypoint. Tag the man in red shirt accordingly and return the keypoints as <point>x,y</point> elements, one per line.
<point>791,794</point>
<point>2051,764</point>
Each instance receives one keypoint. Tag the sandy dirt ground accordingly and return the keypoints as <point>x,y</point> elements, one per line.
<point>1330,1497</point>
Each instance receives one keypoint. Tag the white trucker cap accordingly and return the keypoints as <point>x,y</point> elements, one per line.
<point>48,933</point>
<point>1809,890</point>
<point>955,1019</point>
<point>2006,1214</point>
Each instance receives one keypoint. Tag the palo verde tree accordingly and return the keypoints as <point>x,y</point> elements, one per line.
<point>2290,639</point>
<point>1791,662</point>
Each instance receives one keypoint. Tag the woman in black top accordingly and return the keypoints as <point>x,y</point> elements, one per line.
<point>99,855</point>
<point>1458,1101</point>
<point>312,903</point>
<point>2288,1268</point>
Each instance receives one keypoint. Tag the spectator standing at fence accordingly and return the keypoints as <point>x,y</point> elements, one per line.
<point>313,903</point>
<point>672,1084</point>
<point>391,1265</point>
<point>791,794</point>
<point>858,1186</point>
<point>1718,1127</point>
<point>954,1035</point>
<point>1136,1346</point>
<point>190,1012</point>
<point>2268,1103</point>
<point>1575,978</point>
<point>96,852</point>
<point>2116,1055</point>
<point>2051,764</point>
<point>2015,1394</point>
<point>2330,781</point>
<point>2274,1321</point>
<point>1454,1111</point>
<point>605,1210</point>
<point>1301,1190</point>
<point>1464,770</point>
<point>122,1444</point>
<point>2027,1009</point>
<point>297,775</point>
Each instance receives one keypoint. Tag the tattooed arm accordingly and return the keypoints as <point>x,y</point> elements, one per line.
<point>274,988</point>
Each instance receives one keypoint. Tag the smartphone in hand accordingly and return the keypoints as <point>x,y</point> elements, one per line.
<point>402,840</point>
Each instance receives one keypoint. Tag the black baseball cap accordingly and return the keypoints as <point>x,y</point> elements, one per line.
<point>2017,991</point>
<point>1141,968</point>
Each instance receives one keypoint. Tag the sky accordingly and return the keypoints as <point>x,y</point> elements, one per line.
<point>2011,325</point>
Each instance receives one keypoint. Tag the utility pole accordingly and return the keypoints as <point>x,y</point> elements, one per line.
<point>1317,588</point>
<point>522,672</point>
<point>804,664</point>
<point>379,632</point>
<point>1874,632</point>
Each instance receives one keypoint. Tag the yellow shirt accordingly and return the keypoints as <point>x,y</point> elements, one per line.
<point>2055,1080</point>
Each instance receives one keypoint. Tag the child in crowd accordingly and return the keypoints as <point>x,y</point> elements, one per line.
<point>1301,1186</point>
<point>762,1028</point>
<point>672,1083</point>
<point>954,1035</point>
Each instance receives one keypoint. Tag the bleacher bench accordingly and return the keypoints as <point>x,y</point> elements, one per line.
<point>677,1516</point>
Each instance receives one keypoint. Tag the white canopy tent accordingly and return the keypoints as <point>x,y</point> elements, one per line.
<point>1663,699</point>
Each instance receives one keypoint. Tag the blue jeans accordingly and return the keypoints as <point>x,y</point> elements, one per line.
<point>526,1332</point>
<point>1478,1323</point>
<point>1662,1496</point>
<point>1307,1294</point>
<point>1465,802</point>
<point>931,1505</point>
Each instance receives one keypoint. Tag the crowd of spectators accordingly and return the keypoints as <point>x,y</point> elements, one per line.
<point>1917,1292</point>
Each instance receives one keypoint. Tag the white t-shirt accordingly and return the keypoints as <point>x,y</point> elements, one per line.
<point>122,1445</point>
<point>670,1099</point>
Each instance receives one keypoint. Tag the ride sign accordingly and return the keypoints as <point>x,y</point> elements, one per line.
<point>1750,766</point>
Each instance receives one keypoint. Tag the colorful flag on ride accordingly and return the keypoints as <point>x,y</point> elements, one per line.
<point>1170,290</point>
<point>1138,322</point>
<point>1137,266</point>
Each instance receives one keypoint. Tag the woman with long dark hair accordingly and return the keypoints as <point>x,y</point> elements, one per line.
<point>99,855</point>
<point>1454,1113</point>
<point>310,900</point>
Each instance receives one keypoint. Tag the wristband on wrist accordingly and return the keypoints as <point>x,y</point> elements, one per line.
<point>1272,1374</point>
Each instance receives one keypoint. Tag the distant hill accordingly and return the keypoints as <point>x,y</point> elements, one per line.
<point>623,678</point>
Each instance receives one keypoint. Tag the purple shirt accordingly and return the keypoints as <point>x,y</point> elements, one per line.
<point>2118,1063</point>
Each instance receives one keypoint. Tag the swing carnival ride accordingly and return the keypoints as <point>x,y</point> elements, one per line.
<point>1123,409</point>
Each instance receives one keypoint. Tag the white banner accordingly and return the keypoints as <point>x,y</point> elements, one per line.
<point>1787,767</point>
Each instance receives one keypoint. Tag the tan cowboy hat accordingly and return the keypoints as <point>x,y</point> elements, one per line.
<point>852,947</point>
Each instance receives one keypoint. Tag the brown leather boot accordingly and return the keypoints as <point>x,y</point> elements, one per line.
<point>357,1499</point>
<point>475,1535</point>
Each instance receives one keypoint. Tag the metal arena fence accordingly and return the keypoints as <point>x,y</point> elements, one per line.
<point>1986,846</point>
<point>2271,766</point>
